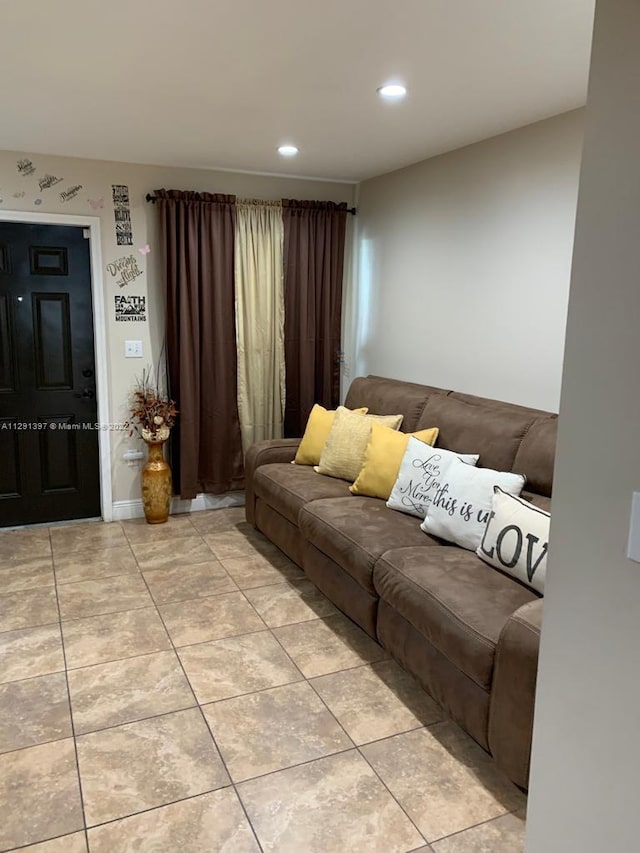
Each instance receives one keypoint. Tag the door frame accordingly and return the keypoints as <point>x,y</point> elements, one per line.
<point>99,333</point>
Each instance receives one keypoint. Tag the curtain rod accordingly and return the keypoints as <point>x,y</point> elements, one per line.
<point>152,198</point>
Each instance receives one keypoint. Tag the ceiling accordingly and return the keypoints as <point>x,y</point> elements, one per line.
<point>222,83</point>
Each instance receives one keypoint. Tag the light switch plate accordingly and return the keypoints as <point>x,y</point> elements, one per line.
<point>633,549</point>
<point>133,349</point>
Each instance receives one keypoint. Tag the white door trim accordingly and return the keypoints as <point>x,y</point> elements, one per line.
<point>99,334</point>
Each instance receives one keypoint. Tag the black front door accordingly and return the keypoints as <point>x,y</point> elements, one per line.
<point>49,464</point>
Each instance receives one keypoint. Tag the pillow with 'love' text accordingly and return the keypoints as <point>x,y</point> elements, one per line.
<point>516,539</point>
<point>461,505</point>
<point>421,471</point>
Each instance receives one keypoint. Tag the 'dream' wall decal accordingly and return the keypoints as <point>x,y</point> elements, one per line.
<point>125,270</point>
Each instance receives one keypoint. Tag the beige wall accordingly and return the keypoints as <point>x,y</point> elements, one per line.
<point>586,750</point>
<point>96,178</point>
<point>463,266</point>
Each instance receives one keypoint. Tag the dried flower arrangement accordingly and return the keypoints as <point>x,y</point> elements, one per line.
<point>151,413</point>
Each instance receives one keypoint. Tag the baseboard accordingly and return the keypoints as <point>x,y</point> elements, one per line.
<point>123,510</point>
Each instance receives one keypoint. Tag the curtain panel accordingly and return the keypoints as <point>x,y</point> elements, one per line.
<point>198,234</point>
<point>314,238</point>
<point>260,320</point>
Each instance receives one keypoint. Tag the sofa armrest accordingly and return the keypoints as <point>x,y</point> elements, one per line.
<point>513,692</point>
<point>264,453</point>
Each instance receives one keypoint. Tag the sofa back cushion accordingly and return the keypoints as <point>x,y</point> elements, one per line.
<point>536,455</point>
<point>389,396</point>
<point>495,432</point>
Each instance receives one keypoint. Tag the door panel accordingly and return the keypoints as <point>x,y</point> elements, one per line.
<point>49,468</point>
<point>58,456</point>
<point>52,340</point>
<point>7,348</point>
<point>9,461</point>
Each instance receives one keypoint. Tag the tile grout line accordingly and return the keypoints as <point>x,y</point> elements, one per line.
<point>66,679</point>
<point>390,792</point>
<point>473,826</point>
<point>30,627</point>
<point>117,725</point>
<point>266,775</point>
<point>204,719</point>
<point>145,810</point>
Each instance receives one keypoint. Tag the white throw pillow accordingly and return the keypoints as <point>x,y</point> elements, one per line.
<point>516,539</point>
<point>421,471</point>
<point>461,505</point>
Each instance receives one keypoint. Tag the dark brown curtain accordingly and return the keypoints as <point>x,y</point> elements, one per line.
<point>197,232</point>
<point>314,234</point>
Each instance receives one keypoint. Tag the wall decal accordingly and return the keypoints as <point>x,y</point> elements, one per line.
<point>96,203</point>
<point>72,192</point>
<point>20,195</point>
<point>131,309</point>
<point>144,250</point>
<point>124,270</point>
<point>25,167</point>
<point>48,181</point>
<point>121,214</point>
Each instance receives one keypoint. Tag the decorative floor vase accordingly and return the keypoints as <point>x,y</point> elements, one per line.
<point>156,484</point>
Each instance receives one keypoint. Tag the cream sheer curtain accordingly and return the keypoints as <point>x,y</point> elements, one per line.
<point>259,283</point>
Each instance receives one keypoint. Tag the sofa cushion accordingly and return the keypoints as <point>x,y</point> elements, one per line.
<point>454,600</point>
<point>387,396</point>
<point>537,500</point>
<point>536,455</point>
<point>287,488</point>
<point>493,431</point>
<point>355,531</point>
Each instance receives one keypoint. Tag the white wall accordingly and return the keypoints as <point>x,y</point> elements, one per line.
<point>586,750</point>
<point>19,192</point>
<point>463,266</point>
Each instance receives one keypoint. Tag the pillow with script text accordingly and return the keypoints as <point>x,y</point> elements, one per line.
<point>421,471</point>
<point>462,503</point>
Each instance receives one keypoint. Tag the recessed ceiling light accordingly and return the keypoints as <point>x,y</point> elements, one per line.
<point>392,91</point>
<point>287,150</point>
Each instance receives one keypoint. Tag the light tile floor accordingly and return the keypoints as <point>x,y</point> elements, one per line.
<point>183,688</point>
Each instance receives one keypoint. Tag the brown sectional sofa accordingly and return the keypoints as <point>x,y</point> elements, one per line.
<point>468,633</point>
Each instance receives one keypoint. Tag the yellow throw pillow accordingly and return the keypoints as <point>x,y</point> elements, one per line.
<point>316,432</point>
<point>343,454</point>
<point>383,457</point>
